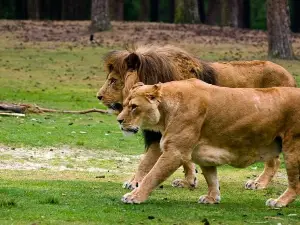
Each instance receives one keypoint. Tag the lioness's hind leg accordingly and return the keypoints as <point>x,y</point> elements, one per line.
<point>292,162</point>
<point>213,196</point>
<point>266,176</point>
<point>190,180</point>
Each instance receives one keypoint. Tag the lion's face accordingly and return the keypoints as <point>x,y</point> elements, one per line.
<point>111,92</point>
<point>140,109</point>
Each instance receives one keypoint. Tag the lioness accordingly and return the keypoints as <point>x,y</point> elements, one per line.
<point>153,64</point>
<point>212,126</point>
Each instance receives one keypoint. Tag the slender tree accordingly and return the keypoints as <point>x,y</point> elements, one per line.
<point>201,10</point>
<point>117,10</point>
<point>191,11</point>
<point>144,10</point>
<point>154,13</point>
<point>213,12</point>
<point>33,9</point>
<point>186,11</point>
<point>279,34</point>
<point>100,15</point>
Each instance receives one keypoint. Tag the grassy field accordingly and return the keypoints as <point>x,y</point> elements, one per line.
<point>69,169</point>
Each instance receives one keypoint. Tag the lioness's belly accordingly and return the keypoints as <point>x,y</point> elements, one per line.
<point>208,155</point>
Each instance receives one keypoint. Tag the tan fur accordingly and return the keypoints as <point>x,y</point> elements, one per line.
<point>213,126</point>
<point>153,64</point>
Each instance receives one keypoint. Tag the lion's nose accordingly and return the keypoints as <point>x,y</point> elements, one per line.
<point>120,121</point>
<point>100,97</point>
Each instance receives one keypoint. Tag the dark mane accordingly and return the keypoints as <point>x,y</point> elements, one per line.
<point>154,64</point>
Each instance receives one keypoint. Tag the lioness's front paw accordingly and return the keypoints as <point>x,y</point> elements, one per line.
<point>274,203</point>
<point>254,185</point>
<point>133,198</point>
<point>131,185</point>
<point>182,183</point>
<point>206,199</point>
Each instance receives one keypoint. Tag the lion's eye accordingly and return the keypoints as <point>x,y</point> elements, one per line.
<point>112,81</point>
<point>133,106</point>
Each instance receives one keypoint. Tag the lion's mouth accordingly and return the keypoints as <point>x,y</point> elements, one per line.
<point>115,106</point>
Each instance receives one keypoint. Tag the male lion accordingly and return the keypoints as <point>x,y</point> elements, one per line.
<point>212,126</point>
<point>162,64</point>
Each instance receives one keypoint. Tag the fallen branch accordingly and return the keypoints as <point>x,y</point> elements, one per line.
<point>11,114</point>
<point>28,108</point>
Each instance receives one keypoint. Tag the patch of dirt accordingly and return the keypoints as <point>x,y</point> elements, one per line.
<point>65,158</point>
<point>133,33</point>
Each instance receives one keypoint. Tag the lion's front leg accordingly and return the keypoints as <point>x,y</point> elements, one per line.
<point>146,164</point>
<point>190,180</point>
<point>167,163</point>
<point>213,196</point>
<point>264,179</point>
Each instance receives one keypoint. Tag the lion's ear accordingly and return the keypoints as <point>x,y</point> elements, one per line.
<point>133,61</point>
<point>155,93</point>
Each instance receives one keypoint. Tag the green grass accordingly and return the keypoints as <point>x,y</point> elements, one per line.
<point>93,201</point>
<point>65,76</point>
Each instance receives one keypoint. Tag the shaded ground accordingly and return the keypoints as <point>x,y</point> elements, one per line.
<point>123,33</point>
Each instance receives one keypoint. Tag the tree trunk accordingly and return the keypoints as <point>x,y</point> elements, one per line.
<point>201,10</point>
<point>225,14</point>
<point>279,33</point>
<point>154,15</point>
<point>33,7</point>
<point>295,17</point>
<point>191,13</point>
<point>117,10</point>
<point>186,11</point>
<point>213,12</point>
<point>234,11</point>
<point>172,11</point>
<point>100,15</point>
<point>144,10</point>
<point>246,14</point>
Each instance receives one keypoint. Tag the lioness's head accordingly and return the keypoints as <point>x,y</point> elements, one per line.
<point>141,108</point>
<point>122,75</point>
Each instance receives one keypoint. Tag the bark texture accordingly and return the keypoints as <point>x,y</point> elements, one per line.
<point>100,15</point>
<point>117,10</point>
<point>187,11</point>
<point>33,9</point>
<point>213,12</point>
<point>279,34</point>
<point>144,10</point>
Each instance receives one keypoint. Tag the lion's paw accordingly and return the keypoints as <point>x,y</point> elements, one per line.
<point>274,203</point>
<point>206,199</point>
<point>131,185</point>
<point>182,183</point>
<point>131,198</point>
<point>254,185</point>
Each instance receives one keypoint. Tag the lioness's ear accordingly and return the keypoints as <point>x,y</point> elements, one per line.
<point>155,93</point>
<point>133,61</point>
<point>138,84</point>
